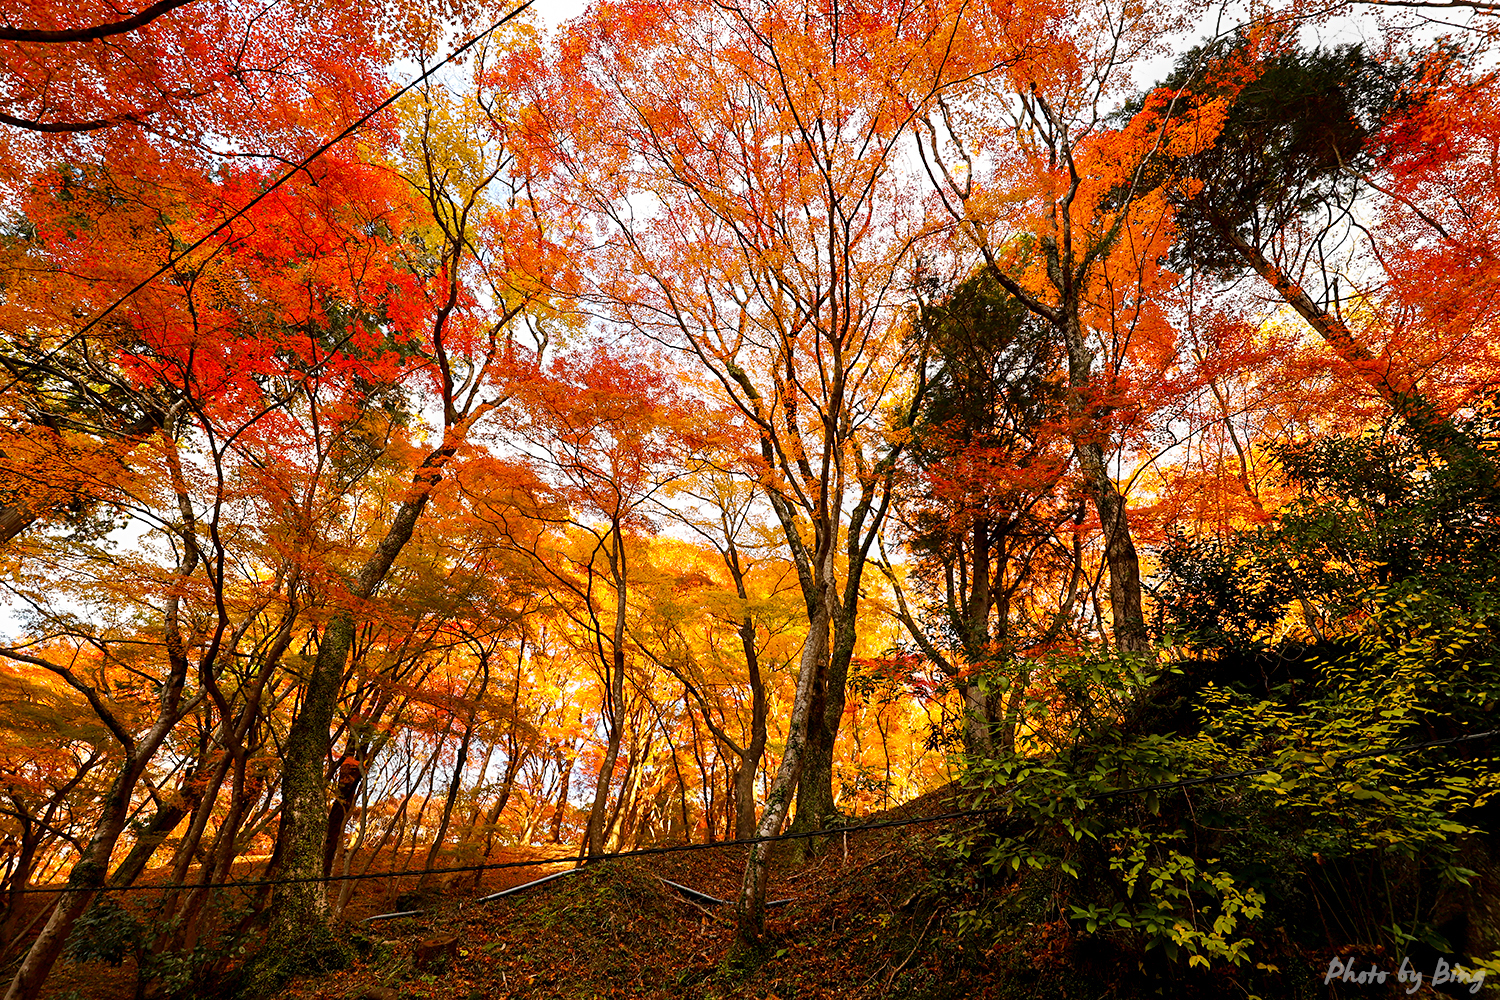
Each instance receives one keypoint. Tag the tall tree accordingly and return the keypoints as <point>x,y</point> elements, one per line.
<point>234,353</point>
<point>718,505</point>
<point>1055,205</point>
<point>1309,137</point>
<point>774,253</point>
<point>604,437</point>
<point>473,258</point>
<point>986,509</point>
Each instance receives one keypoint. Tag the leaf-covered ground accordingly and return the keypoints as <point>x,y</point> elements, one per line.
<point>615,929</point>
<point>875,914</point>
<point>859,923</point>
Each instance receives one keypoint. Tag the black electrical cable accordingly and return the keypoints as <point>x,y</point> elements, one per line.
<point>744,841</point>
<point>177,258</point>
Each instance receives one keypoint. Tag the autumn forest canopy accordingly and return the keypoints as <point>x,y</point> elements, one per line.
<point>431,436</point>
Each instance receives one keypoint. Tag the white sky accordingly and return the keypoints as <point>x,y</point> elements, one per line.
<point>555,12</point>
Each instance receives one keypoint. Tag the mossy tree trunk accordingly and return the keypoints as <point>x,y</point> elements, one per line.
<point>298,934</point>
<point>816,808</point>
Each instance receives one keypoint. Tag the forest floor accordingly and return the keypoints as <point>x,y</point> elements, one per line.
<point>854,927</point>
<point>615,929</point>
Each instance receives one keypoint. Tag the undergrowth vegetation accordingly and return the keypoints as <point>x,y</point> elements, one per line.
<point>1300,814</point>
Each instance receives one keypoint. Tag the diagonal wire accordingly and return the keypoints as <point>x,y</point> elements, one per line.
<point>291,172</point>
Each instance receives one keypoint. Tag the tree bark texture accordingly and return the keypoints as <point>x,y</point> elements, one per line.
<point>750,906</point>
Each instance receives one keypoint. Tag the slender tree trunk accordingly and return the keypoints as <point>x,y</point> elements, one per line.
<point>476,809</point>
<point>594,841</point>
<point>206,796</point>
<point>259,821</point>
<point>396,825</point>
<point>708,790</point>
<point>19,877</point>
<point>621,821</point>
<point>86,878</point>
<point>169,814</point>
<point>351,773</point>
<point>453,789</point>
<point>978,607</point>
<point>416,825</point>
<point>512,768</point>
<point>242,795</point>
<point>428,774</point>
<point>1119,549</point>
<point>1432,430</point>
<point>749,766</point>
<point>815,798</point>
<point>191,922</point>
<point>346,859</point>
<point>750,907</point>
<point>562,800</point>
<point>594,838</point>
<point>513,761</point>
<point>1119,552</point>
<point>744,796</point>
<point>682,802</point>
<point>529,825</point>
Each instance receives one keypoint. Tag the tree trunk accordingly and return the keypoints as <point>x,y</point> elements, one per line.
<point>14,520</point>
<point>298,918</point>
<point>1432,430</point>
<point>299,907</point>
<point>614,832</point>
<point>622,822</point>
<point>1119,549</point>
<point>206,797</point>
<point>31,838</point>
<point>452,797</point>
<point>562,800</point>
<point>85,880</point>
<point>507,784</point>
<point>473,826</point>
<point>89,873</point>
<point>168,815</point>
<point>749,766</point>
<point>815,797</point>
<point>1119,552</point>
<point>750,907</point>
<point>219,864</point>
<point>594,841</point>
<point>351,773</point>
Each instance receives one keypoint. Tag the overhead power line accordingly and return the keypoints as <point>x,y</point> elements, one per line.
<point>291,172</point>
<point>1209,779</point>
